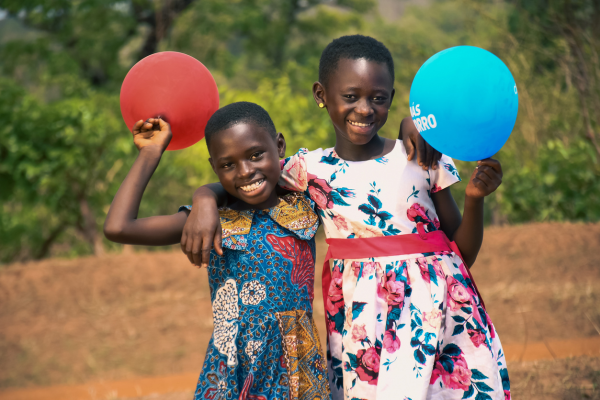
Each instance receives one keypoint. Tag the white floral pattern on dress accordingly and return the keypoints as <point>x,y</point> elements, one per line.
<point>253,292</point>
<point>405,326</point>
<point>225,316</point>
<point>252,349</point>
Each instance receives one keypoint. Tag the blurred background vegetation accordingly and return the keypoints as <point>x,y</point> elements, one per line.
<point>64,148</point>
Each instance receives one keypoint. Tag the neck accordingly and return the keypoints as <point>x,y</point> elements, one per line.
<point>239,205</point>
<point>375,148</point>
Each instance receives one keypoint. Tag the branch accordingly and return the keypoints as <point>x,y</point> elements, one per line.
<point>160,22</point>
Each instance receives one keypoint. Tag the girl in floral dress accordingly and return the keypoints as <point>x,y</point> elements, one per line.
<point>404,317</point>
<point>265,345</point>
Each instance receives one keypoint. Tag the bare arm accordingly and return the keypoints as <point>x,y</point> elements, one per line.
<point>122,224</point>
<point>467,231</point>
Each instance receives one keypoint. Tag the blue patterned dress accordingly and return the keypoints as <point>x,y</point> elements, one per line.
<point>265,344</point>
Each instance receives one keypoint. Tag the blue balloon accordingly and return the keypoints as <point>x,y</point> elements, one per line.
<point>464,102</point>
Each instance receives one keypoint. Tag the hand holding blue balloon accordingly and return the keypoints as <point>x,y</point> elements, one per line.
<point>464,101</point>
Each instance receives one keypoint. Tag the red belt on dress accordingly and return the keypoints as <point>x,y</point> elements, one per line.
<point>385,246</point>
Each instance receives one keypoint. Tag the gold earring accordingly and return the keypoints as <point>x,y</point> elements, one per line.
<point>321,105</point>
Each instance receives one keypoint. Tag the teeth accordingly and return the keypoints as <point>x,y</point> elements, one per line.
<point>254,186</point>
<point>358,123</point>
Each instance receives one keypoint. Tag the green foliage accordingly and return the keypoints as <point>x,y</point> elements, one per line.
<point>562,184</point>
<point>60,159</point>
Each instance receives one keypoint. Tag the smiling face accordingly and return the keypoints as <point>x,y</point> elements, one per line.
<point>358,96</point>
<point>245,157</point>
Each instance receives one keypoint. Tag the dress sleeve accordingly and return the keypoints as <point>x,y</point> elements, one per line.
<point>183,208</point>
<point>445,175</point>
<point>293,172</point>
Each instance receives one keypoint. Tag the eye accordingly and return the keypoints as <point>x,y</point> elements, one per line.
<point>379,99</point>
<point>349,96</point>
<point>257,155</point>
<point>226,165</point>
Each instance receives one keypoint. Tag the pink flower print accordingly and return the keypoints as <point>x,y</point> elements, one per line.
<point>319,191</point>
<point>458,295</point>
<point>435,188</point>
<point>477,337</point>
<point>297,171</point>
<point>368,365</point>
<point>391,290</point>
<point>507,395</point>
<point>436,223</point>
<point>391,342</point>
<point>437,267</point>
<point>437,372</point>
<point>365,231</point>
<point>416,210</point>
<point>368,268</point>
<point>460,378</point>
<point>335,296</point>
<point>422,263</point>
<point>359,333</point>
<point>341,223</point>
<point>395,292</point>
<point>433,319</point>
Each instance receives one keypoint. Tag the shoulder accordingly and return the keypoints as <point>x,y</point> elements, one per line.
<point>313,155</point>
<point>295,212</point>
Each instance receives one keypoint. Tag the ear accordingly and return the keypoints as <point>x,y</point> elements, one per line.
<point>392,97</point>
<point>319,93</point>
<point>280,145</point>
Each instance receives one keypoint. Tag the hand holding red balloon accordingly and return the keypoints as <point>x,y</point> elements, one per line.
<point>154,132</point>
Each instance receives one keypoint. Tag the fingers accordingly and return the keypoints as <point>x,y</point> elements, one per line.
<point>421,152</point>
<point>429,158</point>
<point>164,125</point>
<point>437,156</point>
<point>183,243</point>
<point>196,251</point>
<point>486,178</point>
<point>494,164</point>
<point>410,148</point>
<point>137,126</point>
<point>218,241</point>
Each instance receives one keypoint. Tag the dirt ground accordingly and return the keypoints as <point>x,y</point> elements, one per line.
<point>66,322</point>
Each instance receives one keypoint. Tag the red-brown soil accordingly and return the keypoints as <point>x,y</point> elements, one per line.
<point>121,317</point>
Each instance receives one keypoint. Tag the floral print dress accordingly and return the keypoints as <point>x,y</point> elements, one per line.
<point>399,327</point>
<point>265,345</point>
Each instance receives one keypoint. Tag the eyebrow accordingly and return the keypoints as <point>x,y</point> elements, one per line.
<point>248,150</point>
<point>381,89</point>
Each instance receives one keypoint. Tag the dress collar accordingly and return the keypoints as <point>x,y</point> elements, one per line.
<point>295,212</point>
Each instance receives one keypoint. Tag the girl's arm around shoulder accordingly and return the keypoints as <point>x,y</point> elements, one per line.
<point>122,225</point>
<point>467,231</point>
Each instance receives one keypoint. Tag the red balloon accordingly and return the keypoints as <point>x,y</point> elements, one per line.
<point>174,86</point>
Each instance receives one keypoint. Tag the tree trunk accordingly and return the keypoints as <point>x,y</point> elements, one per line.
<point>88,227</point>
<point>45,248</point>
<point>160,22</point>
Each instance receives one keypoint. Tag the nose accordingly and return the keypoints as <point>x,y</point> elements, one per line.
<point>363,107</point>
<point>245,170</point>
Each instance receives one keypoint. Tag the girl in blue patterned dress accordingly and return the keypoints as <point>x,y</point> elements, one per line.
<point>265,345</point>
<point>404,317</point>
